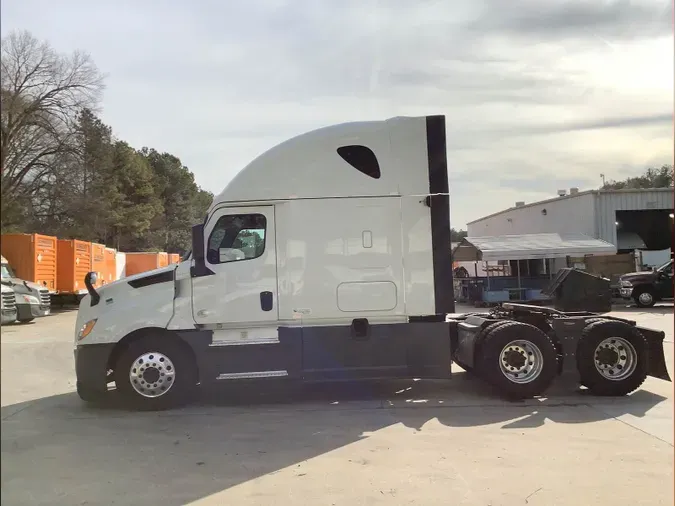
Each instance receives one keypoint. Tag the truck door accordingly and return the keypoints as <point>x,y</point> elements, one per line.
<point>240,250</point>
<point>664,282</point>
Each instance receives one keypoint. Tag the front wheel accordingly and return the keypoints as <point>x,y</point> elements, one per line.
<point>155,373</point>
<point>644,298</point>
<point>518,359</point>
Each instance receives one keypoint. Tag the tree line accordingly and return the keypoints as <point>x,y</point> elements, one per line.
<point>653,177</point>
<point>64,172</point>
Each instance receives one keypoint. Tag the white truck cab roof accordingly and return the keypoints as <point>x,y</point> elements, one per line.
<point>392,152</point>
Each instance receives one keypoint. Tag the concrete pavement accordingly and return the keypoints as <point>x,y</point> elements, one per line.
<point>398,443</point>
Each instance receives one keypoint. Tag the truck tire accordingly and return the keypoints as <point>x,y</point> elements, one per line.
<point>518,359</point>
<point>644,297</point>
<point>479,339</point>
<point>612,358</point>
<point>588,322</point>
<point>155,373</point>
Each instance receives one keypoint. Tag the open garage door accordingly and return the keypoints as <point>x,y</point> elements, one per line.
<point>654,227</point>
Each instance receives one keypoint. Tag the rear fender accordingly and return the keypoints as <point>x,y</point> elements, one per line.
<point>657,359</point>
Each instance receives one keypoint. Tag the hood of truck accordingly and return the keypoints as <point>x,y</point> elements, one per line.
<point>642,277</point>
<point>21,286</point>
<point>127,282</point>
<point>131,303</point>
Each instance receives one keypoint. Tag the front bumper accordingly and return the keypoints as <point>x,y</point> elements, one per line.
<point>626,293</point>
<point>30,311</point>
<point>8,316</point>
<point>91,368</point>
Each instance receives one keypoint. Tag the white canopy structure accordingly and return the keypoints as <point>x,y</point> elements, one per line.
<point>529,246</point>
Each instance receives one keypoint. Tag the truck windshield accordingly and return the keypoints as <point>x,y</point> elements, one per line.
<point>667,267</point>
<point>7,271</point>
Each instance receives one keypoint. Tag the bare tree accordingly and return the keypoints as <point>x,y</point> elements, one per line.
<point>41,92</point>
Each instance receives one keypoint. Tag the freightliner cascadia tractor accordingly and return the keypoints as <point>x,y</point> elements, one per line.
<point>328,258</point>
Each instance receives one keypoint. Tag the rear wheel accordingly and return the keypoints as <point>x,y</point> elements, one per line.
<point>156,373</point>
<point>612,358</point>
<point>467,368</point>
<point>518,359</point>
<point>644,297</point>
<point>588,322</point>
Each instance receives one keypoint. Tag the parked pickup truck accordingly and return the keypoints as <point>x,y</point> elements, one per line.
<point>646,288</point>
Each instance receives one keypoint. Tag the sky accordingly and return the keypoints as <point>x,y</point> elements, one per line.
<point>538,95</point>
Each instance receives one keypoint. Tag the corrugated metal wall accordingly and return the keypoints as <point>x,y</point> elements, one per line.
<point>564,215</point>
<point>607,203</point>
<point>593,214</point>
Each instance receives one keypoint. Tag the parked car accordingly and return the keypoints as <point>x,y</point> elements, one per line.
<point>647,288</point>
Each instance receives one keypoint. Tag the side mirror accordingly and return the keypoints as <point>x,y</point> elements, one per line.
<point>199,268</point>
<point>89,281</point>
<point>198,243</point>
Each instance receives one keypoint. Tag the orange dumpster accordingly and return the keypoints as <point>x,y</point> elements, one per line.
<point>32,256</point>
<point>74,262</point>
<point>143,262</point>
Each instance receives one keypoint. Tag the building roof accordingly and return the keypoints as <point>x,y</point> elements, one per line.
<point>529,246</point>
<point>573,196</point>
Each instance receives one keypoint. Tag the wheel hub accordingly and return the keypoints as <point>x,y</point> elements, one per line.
<point>607,356</point>
<point>615,358</point>
<point>515,358</point>
<point>152,374</point>
<point>521,361</point>
<point>645,297</point>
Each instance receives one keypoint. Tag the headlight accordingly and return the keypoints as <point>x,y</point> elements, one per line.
<point>29,299</point>
<point>86,329</point>
<point>626,283</point>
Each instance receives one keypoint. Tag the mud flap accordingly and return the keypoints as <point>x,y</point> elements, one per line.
<point>657,359</point>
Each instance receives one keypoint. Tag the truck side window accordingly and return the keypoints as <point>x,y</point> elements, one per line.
<point>237,237</point>
<point>362,159</point>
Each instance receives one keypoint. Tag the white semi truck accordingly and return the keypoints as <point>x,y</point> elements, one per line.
<point>328,258</point>
<point>8,311</point>
<point>32,300</point>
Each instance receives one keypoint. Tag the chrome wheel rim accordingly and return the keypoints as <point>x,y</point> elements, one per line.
<point>152,374</point>
<point>615,358</point>
<point>645,298</point>
<point>521,361</point>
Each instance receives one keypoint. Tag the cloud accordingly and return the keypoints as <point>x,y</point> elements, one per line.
<point>537,96</point>
<point>561,21</point>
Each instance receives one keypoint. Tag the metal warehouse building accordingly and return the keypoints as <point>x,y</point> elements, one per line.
<point>629,219</point>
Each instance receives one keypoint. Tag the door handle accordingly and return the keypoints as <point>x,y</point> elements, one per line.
<point>203,312</point>
<point>266,301</point>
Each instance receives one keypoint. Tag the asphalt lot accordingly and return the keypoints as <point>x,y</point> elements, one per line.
<point>400,443</point>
